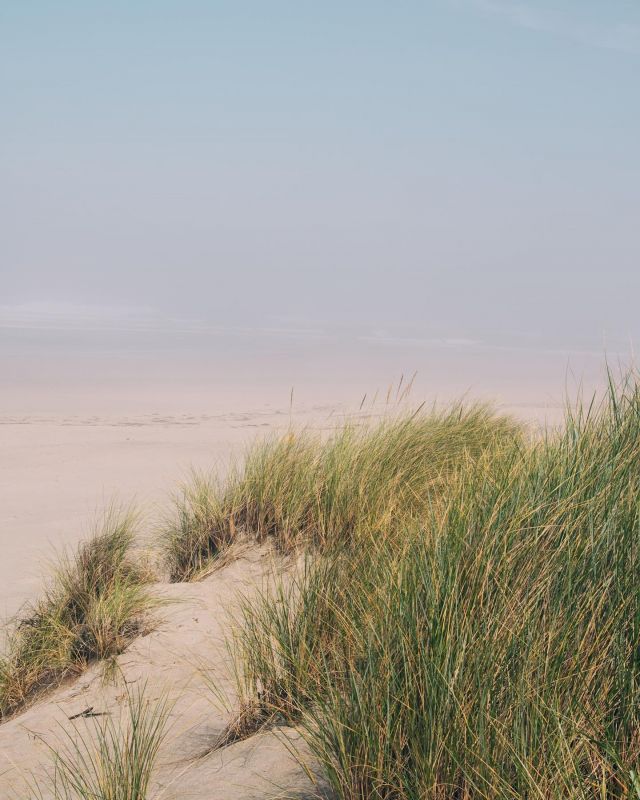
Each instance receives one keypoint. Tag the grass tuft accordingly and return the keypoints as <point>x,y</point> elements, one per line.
<point>111,759</point>
<point>197,531</point>
<point>92,610</point>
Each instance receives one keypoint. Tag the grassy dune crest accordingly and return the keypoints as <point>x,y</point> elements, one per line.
<point>92,609</point>
<point>302,489</point>
<point>489,646</point>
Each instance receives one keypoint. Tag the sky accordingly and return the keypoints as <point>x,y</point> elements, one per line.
<point>464,167</point>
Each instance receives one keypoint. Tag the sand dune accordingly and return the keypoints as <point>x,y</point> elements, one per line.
<point>179,660</point>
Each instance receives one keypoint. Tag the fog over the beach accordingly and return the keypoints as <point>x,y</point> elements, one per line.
<point>462,169</point>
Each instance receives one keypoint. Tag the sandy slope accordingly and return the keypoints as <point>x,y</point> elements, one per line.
<point>172,660</point>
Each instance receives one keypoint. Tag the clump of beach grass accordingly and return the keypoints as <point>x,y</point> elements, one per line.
<point>93,608</point>
<point>488,649</point>
<point>109,757</point>
<point>301,489</point>
<point>197,530</point>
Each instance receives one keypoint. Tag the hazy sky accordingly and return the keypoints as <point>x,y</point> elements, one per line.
<point>462,165</point>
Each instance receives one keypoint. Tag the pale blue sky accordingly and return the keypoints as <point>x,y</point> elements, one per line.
<point>457,165</point>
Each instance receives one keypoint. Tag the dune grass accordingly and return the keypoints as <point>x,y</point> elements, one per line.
<point>108,758</point>
<point>302,489</point>
<point>489,645</point>
<point>196,530</point>
<point>93,608</point>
